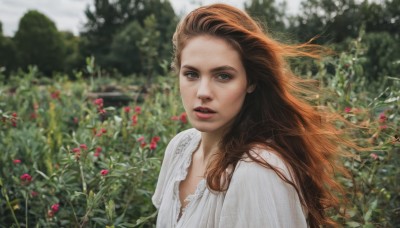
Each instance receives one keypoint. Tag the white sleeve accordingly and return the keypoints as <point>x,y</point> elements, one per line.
<point>257,197</point>
<point>166,169</point>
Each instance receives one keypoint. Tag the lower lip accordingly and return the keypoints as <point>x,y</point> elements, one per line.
<point>204,116</point>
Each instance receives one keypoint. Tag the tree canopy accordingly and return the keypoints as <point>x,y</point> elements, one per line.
<point>39,43</point>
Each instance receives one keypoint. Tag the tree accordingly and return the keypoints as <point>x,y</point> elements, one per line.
<point>109,19</point>
<point>72,58</point>
<point>39,43</point>
<point>8,53</point>
<point>270,14</point>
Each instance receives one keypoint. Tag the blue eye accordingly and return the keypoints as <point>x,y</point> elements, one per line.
<point>224,77</point>
<point>190,75</point>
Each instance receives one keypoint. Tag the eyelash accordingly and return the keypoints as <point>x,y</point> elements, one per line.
<point>193,75</point>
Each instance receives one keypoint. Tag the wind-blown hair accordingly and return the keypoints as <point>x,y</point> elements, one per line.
<point>275,115</point>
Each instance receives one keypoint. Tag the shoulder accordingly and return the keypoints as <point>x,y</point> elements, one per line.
<point>247,168</point>
<point>182,140</point>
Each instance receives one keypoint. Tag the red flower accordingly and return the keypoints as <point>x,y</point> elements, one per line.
<point>55,207</point>
<point>143,144</point>
<point>14,119</point>
<point>347,109</point>
<point>104,172</point>
<point>55,94</point>
<point>101,132</point>
<point>99,102</point>
<point>97,152</point>
<point>138,109</point>
<point>183,118</point>
<point>16,161</point>
<point>83,147</point>
<point>155,139</point>
<point>382,117</point>
<point>127,109</point>
<point>383,127</point>
<point>102,111</point>
<point>134,120</point>
<point>34,194</point>
<point>140,139</point>
<point>76,150</point>
<point>175,118</point>
<point>153,145</point>
<point>374,156</point>
<point>26,178</point>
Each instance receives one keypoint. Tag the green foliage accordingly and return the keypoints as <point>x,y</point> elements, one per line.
<point>39,43</point>
<point>8,54</point>
<point>53,132</point>
<point>268,13</point>
<point>124,21</point>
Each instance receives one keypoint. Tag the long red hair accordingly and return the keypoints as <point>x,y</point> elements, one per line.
<point>276,115</point>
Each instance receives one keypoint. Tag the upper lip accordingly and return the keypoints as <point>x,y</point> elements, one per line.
<point>204,109</point>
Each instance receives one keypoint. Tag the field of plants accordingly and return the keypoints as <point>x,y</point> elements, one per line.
<point>72,158</point>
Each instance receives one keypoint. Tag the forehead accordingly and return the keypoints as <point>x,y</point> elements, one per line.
<point>208,50</point>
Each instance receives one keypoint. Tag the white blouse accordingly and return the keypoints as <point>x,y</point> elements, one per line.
<point>256,196</point>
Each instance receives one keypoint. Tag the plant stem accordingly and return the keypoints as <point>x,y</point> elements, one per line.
<point>82,177</point>
<point>26,210</point>
<point>9,206</point>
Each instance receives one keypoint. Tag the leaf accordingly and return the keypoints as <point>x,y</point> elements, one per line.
<point>367,215</point>
<point>353,224</point>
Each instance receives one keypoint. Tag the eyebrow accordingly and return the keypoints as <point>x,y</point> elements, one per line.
<point>217,69</point>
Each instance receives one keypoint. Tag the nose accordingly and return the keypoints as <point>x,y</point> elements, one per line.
<point>204,89</point>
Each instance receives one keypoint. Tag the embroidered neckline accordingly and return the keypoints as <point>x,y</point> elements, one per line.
<point>190,143</point>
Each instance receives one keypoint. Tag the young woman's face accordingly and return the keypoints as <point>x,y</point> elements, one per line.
<point>212,82</point>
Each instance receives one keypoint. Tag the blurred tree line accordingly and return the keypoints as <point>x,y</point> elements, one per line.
<point>134,36</point>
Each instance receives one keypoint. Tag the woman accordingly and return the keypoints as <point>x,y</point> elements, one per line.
<point>257,155</point>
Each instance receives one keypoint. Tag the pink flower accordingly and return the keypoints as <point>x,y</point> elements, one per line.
<point>34,194</point>
<point>83,147</point>
<point>134,120</point>
<point>183,118</point>
<point>382,117</point>
<point>76,150</point>
<point>143,144</point>
<point>26,178</point>
<point>127,109</point>
<point>16,161</point>
<point>14,119</point>
<point>99,102</point>
<point>153,145</point>
<point>97,152</point>
<point>155,139</point>
<point>55,94</point>
<point>101,132</point>
<point>347,109</point>
<point>104,172</point>
<point>140,139</point>
<point>383,127</point>
<point>55,207</point>
<point>138,109</point>
<point>374,156</point>
<point>175,118</point>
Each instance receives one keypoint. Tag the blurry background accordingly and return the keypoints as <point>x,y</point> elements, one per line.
<point>129,36</point>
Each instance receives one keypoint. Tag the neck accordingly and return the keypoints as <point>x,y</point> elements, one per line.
<point>209,144</point>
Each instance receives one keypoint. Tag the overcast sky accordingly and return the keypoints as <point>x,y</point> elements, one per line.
<point>69,14</point>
